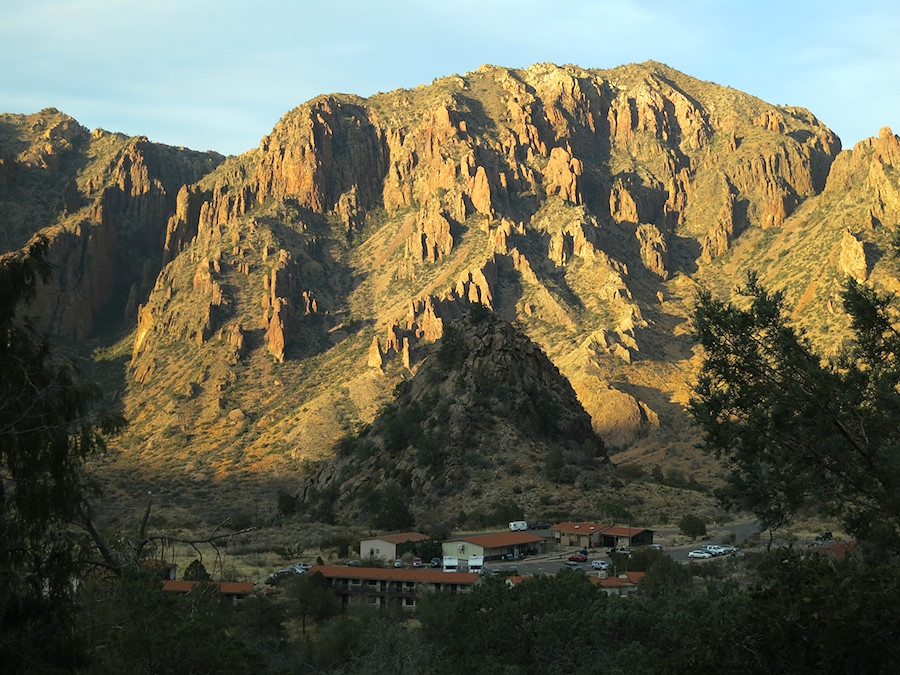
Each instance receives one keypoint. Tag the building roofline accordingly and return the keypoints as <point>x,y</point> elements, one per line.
<point>394,574</point>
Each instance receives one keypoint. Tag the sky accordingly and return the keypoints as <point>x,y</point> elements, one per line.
<point>218,75</point>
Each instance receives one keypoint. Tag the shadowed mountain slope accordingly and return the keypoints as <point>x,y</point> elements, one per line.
<point>486,415</point>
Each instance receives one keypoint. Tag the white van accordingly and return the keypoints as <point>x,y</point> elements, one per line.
<point>476,563</point>
<point>518,525</point>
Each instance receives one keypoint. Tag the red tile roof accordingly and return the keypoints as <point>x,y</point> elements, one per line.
<point>837,549</point>
<point>400,538</point>
<point>590,528</point>
<point>579,528</point>
<point>619,531</point>
<point>626,579</point>
<point>500,540</point>
<point>394,574</point>
<point>226,587</point>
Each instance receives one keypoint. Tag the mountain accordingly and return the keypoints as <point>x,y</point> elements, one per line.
<point>249,312</point>
<point>486,416</point>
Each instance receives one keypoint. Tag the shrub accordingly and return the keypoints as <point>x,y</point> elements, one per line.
<point>692,526</point>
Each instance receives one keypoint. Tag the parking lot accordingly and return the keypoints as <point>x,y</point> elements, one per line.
<point>553,562</point>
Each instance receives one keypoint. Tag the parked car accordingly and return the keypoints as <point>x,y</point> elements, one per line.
<point>700,554</point>
<point>281,575</point>
<point>571,565</point>
<point>623,550</point>
<point>713,549</point>
<point>436,562</point>
<point>398,563</point>
<point>540,526</point>
<point>600,564</point>
<point>578,557</point>
<point>417,562</point>
<point>354,563</point>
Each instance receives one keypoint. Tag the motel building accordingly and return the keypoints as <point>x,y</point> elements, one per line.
<point>376,586</point>
<point>511,545</point>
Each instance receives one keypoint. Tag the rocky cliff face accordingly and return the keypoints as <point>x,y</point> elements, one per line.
<point>300,282</point>
<point>103,201</point>
<point>563,198</point>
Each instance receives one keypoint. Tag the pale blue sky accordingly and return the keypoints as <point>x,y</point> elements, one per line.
<point>217,75</point>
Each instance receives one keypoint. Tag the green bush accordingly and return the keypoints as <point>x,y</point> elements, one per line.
<point>692,526</point>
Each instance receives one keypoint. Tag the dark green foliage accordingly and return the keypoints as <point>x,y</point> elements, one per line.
<point>388,508</point>
<point>692,526</point>
<point>311,598</point>
<point>559,624</point>
<point>643,558</point>
<point>47,432</point>
<point>811,613</point>
<point>554,463</point>
<point>794,430</point>
<point>136,627</point>
<point>664,576</point>
<point>505,511</point>
<point>341,546</point>
<point>477,313</point>
<point>452,350</point>
<point>196,571</point>
<point>287,503</point>
<point>320,504</point>
<point>614,511</point>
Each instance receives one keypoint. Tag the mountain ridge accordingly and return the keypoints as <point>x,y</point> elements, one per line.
<point>292,287</point>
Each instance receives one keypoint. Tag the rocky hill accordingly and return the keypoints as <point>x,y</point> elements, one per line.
<point>486,416</point>
<point>251,311</point>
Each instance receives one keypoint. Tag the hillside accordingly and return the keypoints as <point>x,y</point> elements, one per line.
<point>486,418</point>
<point>249,312</point>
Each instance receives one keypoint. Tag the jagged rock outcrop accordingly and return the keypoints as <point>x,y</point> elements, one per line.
<point>181,228</point>
<point>562,175</point>
<point>275,335</point>
<point>432,240</point>
<point>872,160</point>
<point>653,249</point>
<point>852,261</point>
<point>718,239</point>
<point>375,358</point>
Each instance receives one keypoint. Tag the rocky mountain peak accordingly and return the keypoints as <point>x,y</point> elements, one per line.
<point>485,399</point>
